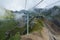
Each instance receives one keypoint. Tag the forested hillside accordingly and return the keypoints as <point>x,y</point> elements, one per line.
<point>12,26</point>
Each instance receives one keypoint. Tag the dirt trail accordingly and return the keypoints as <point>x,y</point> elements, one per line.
<point>36,35</point>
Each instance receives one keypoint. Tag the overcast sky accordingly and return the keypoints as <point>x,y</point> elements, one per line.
<point>19,4</point>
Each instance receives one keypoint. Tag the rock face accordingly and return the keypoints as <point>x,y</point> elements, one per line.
<point>53,28</point>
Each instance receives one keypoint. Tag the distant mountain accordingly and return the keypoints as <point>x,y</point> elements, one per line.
<point>50,14</point>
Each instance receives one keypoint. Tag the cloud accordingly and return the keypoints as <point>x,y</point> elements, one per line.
<point>46,3</point>
<point>19,4</point>
<point>12,4</point>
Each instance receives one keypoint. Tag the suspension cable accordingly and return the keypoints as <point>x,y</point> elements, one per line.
<point>25,4</point>
<point>52,4</point>
<point>37,4</point>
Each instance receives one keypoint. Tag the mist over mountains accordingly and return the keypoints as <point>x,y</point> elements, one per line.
<point>36,16</point>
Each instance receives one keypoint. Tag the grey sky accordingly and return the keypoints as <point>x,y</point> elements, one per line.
<point>19,4</point>
<point>46,2</point>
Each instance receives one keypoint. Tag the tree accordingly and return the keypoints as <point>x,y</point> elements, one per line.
<point>7,25</point>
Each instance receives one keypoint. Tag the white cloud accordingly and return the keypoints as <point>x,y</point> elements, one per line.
<point>19,4</point>
<point>12,4</point>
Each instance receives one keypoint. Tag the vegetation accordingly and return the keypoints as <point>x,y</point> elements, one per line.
<point>7,25</point>
<point>9,29</point>
<point>15,37</point>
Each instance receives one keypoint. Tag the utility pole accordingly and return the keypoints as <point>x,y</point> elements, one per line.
<point>27,18</point>
<point>28,14</point>
<point>27,23</point>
